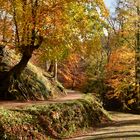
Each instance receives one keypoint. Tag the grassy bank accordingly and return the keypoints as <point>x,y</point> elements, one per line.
<point>53,121</point>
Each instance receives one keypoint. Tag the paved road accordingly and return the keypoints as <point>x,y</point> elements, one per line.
<point>125,127</point>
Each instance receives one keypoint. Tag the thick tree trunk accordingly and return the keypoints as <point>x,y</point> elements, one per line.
<point>14,73</point>
<point>17,69</point>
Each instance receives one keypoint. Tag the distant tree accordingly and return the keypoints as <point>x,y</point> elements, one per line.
<point>126,28</point>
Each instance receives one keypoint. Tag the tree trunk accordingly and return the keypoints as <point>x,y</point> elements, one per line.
<point>55,70</point>
<point>14,73</point>
<point>51,67</point>
<point>137,56</point>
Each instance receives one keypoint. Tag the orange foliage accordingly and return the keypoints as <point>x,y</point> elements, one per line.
<point>120,66</point>
<point>71,72</point>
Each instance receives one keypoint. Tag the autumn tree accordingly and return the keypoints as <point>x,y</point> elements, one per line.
<point>24,16</point>
<point>128,16</point>
<point>81,35</point>
<point>124,37</point>
<point>50,24</point>
<point>84,23</point>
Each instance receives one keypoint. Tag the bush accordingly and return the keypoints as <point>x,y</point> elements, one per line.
<point>123,98</point>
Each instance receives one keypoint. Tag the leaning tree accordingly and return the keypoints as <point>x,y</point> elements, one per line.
<point>30,24</point>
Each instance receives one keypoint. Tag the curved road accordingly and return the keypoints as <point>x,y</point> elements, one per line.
<point>124,127</point>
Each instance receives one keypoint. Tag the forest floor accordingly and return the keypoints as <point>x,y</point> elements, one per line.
<point>125,126</point>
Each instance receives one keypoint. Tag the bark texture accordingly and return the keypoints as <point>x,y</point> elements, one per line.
<point>6,77</point>
<point>137,59</point>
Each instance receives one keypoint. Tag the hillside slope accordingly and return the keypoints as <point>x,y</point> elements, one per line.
<point>33,84</point>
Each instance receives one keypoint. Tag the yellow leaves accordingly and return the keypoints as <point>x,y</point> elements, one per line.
<point>63,23</point>
<point>131,101</point>
<point>120,68</point>
<point>103,9</point>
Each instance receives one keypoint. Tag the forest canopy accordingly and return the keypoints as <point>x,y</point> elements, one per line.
<point>74,37</point>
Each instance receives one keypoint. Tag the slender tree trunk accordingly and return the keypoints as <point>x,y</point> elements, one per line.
<point>55,70</point>
<point>51,67</point>
<point>137,57</point>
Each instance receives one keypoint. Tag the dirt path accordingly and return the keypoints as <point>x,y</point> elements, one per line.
<point>124,127</point>
<point>72,95</point>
